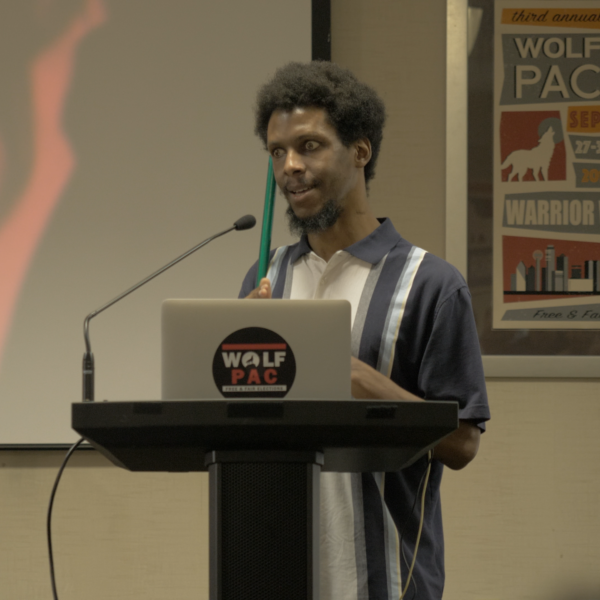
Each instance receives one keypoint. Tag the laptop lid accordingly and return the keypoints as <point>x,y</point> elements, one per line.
<point>296,349</point>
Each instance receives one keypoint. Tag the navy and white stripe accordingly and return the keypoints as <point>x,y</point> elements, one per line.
<point>396,310</point>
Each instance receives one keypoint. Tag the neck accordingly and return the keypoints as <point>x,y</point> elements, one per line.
<point>353,225</point>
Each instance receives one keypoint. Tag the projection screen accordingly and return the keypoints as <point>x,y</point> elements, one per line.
<point>126,138</point>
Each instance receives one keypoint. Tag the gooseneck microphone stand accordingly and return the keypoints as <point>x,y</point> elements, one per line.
<point>245,222</point>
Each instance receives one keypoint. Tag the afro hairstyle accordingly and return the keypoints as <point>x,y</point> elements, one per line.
<point>353,108</point>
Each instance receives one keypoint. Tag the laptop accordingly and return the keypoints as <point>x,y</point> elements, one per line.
<point>294,349</point>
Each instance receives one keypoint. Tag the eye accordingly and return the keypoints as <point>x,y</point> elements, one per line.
<point>311,145</point>
<point>277,153</point>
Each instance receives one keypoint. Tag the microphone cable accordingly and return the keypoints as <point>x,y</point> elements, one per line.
<point>49,518</point>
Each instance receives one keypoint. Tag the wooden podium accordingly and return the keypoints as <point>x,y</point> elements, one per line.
<point>264,459</point>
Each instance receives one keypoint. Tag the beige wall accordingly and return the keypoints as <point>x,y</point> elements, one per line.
<point>116,534</point>
<point>521,521</point>
<point>399,48</point>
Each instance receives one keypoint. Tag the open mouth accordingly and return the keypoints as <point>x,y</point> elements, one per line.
<point>300,192</point>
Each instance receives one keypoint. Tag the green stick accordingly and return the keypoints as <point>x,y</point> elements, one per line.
<point>267,225</point>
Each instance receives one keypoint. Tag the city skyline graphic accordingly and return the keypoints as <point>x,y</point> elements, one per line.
<point>541,269</point>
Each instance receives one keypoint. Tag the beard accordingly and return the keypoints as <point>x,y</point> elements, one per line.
<point>321,221</point>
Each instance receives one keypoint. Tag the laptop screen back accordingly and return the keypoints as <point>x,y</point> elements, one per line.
<point>296,349</point>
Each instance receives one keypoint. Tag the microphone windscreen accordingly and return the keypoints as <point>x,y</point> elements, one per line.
<point>245,222</point>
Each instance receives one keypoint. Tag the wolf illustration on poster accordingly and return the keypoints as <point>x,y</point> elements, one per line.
<point>532,146</point>
<point>537,159</point>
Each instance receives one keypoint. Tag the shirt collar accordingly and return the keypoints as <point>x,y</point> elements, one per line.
<point>371,249</point>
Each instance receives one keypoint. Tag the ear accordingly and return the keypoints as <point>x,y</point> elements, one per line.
<point>362,152</point>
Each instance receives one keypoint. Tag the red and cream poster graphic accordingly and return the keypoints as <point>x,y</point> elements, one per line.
<point>547,165</point>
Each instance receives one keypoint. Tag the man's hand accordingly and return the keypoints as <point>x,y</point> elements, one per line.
<point>263,290</point>
<point>456,450</point>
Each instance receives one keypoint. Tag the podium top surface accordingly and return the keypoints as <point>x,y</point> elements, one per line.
<point>176,435</point>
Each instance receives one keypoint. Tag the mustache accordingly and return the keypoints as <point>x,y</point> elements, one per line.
<point>300,182</point>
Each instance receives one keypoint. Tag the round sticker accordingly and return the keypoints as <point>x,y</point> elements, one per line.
<point>254,363</point>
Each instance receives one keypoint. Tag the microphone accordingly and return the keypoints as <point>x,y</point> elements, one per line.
<point>245,222</point>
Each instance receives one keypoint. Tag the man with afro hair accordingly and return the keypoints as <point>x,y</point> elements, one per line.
<point>413,332</point>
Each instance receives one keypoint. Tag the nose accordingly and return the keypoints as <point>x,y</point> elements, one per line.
<point>293,163</point>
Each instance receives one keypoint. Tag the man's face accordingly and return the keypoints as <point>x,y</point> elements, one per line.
<point>315,171</point>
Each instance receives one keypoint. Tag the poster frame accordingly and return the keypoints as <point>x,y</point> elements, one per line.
<point>530,366</point>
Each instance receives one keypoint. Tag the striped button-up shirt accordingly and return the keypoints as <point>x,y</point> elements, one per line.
<point>411,320</point>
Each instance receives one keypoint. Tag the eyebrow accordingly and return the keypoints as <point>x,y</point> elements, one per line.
<point>301,138</point>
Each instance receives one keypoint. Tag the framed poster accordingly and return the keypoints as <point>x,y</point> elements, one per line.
<point>546,266</point>
<point>533,232</point>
